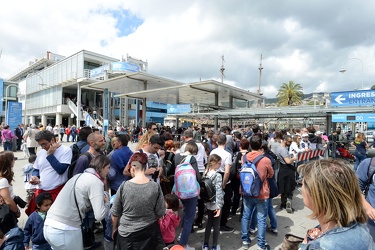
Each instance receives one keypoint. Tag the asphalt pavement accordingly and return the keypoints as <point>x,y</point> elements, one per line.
<point>296,223</point>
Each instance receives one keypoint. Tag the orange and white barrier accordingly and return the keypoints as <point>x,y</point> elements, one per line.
<point>311,154</point>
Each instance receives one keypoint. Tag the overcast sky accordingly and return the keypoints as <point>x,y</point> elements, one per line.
<point>303,41</point>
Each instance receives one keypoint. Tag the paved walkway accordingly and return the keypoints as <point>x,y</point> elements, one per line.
<point>296,223</point>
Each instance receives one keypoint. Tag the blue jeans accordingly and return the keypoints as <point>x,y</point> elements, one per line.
<point>188,220</point>
<point>271,215</point>
<point>249,204</point>
<point>7,146</point>
<point>358,159</point>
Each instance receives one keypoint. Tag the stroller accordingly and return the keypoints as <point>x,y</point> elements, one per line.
<point>343,153</point>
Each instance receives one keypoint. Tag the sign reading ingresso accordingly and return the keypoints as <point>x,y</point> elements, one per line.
<point>353,98</point>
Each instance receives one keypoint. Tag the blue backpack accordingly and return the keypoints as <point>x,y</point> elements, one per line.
<point>251,184</point>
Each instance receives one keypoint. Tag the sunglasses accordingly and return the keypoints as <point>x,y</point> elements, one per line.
<point>154,129</point>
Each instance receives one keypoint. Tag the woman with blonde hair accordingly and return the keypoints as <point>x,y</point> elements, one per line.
<point>330,190</point>
<point>145,139</point>
<point>361,146</point>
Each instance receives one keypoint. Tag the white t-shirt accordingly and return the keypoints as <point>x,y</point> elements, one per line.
<point>56,130</point>
<point>226,158</point>
<point>5,184</point>
<point>49,178</point>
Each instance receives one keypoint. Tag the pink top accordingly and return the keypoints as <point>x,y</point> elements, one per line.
<point>7,134</point>
<point>168,224</point>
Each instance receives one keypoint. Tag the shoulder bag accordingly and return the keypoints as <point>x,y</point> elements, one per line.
<point>88,236</point>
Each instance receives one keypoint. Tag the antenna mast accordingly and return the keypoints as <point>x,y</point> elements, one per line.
<point>222,69</point>
<point>260,74</point>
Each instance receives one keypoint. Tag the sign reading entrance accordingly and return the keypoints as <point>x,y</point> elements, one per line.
<point>353,98</point>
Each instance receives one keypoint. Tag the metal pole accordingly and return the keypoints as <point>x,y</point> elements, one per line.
<point>342,70</point>
<point>6,101</point>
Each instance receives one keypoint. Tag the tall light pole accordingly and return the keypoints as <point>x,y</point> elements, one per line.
<point>6,101</point>
<point>343,70</point>
<point>42,84</point>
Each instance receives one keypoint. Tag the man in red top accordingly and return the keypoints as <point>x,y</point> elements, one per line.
<point>265,170</point>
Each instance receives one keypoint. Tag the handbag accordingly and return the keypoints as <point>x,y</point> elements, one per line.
<point>88,236</point>
<point>291,242</point>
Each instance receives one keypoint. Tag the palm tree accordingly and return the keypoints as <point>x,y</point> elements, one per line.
<point>290,94</point>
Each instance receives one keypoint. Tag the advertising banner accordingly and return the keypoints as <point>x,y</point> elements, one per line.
<point>178,108</point>
<point>14,114</point>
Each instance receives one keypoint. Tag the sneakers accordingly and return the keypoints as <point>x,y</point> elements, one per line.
<point>282,207</point>
<point>216,248</point>
<point>289,208</point>
<point>253,232</point>
<point>187,247</point>
<point>272,231</point>
<point>205,246</point>
<point>266,247</point>
<point>226,229</point>
<point>198,224</point>
<point>245,245</point>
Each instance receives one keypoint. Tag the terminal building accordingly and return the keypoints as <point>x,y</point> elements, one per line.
<point>98,90</point>
<point>94,89</point>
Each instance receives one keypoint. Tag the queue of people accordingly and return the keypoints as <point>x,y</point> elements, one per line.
<point>151,220</point>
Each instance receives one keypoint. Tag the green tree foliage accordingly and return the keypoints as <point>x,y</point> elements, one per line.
<point>290,94</point>
<point>373,87</point>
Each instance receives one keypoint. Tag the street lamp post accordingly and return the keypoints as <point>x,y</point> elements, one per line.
<point>6,101</point>
<point>343,70</point>
<point>41,84</point>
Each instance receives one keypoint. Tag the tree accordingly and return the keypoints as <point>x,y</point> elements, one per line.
<point>290,94</point>
<point>373,87</point>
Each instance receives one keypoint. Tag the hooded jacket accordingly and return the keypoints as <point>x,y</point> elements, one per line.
<point>265,170</point>
<point>168,224</point>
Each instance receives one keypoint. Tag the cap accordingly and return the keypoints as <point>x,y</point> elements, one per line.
<point>318,132</point>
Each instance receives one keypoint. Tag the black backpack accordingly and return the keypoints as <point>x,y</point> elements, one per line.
<point>235,168</point>
<point>208,191</point>
<point>76,153</point>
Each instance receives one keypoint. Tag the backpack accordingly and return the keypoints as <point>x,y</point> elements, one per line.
<point>235,168</point>
<point>370,174</point>
<point>152,162</point>
<point>207,191</point>
<point>251,184</point>
<point>186,185</point>
<point>76,153</point>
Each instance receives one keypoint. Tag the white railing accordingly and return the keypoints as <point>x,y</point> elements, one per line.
<point>72,106</point>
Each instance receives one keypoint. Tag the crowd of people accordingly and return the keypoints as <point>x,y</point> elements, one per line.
<point>141,198</point>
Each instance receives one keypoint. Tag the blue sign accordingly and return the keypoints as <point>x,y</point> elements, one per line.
<point>99,71</point>
<point>1,95</point>
<point>88,123</point>
<point>14,114</point>
<point>178,108</point>
<point>125,66</point>
<point>353,98</point>
<point>363,117</point>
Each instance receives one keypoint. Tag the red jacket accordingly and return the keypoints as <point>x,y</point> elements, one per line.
<point>168,225</point>
<point>265,170</point>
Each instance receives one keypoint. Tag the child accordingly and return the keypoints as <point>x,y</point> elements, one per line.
<point>34,226</point>
<point>170,221</point>
<point>28,172</point>
<point>214,208</point>
<point>25,150</point>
